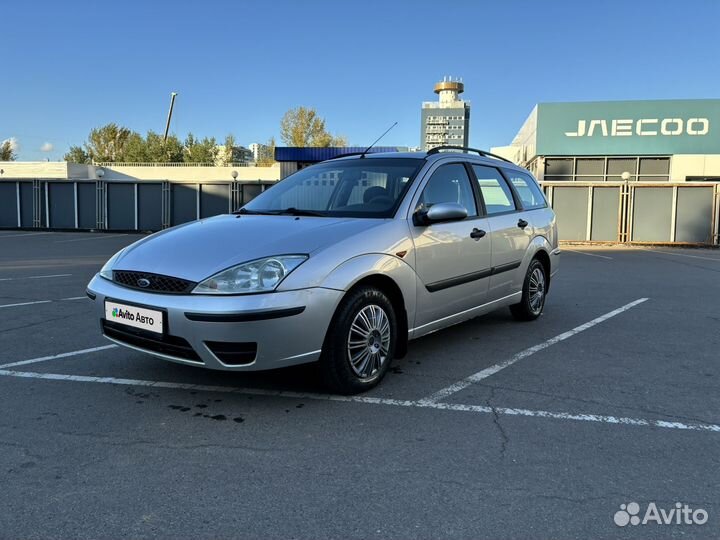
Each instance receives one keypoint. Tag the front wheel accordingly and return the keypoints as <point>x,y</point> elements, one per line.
<point>533,293</point>
<point>360,343</point>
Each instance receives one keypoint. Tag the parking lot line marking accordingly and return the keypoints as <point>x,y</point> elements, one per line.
<point>25,304</point>
<point>27,234</point>
<point>57,356</point>
<point>487,372</point>
<point>75,298</point>
<point>91,238</point>
<point>588,254</point>
<point>683,255</point>
<point>35,277</point>
<point>482,409</point>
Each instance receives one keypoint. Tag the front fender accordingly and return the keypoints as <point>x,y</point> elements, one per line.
<point>348,274</point>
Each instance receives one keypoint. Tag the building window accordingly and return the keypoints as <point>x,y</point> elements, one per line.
<point>617,166</point>
<point>590,166</point>
<point>556,167</point>
<point>654,166</point>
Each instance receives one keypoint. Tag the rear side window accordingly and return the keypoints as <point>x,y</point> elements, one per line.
<point>495,191</point>
<point>449,183</point>
<point>527,190</point>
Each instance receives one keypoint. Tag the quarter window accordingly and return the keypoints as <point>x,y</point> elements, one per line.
<point>449,183</point>
<point>527,190</point>
<point>495,191</point>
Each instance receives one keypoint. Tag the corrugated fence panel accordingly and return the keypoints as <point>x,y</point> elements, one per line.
<point>652,214</point>
<point>184,203</point>
<point>571,206</point>
<point>87,206</point>
<point>250,191</point>
<point>693,222</point>
<point>26,204</point>
<point>214,199</point>
<point>62,204</point>
<point>121,206</point>
<point>150,207</point>
<point>605,218</point>
<point>8,205</point>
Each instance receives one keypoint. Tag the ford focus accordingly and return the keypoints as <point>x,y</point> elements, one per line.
<point>341,263</point>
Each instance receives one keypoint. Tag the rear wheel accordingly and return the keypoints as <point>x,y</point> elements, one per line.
<point>360,343</point>
<point>533,293</point>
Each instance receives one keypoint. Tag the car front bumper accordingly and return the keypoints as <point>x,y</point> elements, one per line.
<point>284,328</point>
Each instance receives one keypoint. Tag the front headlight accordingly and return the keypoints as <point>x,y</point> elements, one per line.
<point>106,270</point>
<point>262,275</point>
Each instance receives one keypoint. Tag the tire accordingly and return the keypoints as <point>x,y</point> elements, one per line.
<point>363,329</point>
<point>533,293</point>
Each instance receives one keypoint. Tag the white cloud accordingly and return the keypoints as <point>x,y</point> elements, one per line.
<point>47,147</point>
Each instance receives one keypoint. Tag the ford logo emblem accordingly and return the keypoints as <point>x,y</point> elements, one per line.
<point>142,282</point>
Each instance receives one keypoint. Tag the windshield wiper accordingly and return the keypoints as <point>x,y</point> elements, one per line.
<point>245,211</point>
<point>292,211</point>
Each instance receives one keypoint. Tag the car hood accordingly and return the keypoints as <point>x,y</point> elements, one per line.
<point>198,250</point>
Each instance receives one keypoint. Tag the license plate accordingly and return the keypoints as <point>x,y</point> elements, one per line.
<point>137,317</point>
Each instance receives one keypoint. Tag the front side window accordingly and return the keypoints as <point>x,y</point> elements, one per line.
<point>449,183</point>
<point>363,187</point>
<point>495,191</point>
<point>527,190</point>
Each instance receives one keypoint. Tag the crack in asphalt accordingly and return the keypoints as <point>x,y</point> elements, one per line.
<point>44,321</point>
<point>504,440</point>
<point>662,414</point>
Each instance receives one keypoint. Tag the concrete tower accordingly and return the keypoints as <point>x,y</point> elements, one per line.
<point>446,121</point>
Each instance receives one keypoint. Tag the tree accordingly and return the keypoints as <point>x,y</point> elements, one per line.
<point>7,151</point>
<point>266,154</point>
<point>163,151</point>
<point>135,149</point>
<point>200,151</point>
<point>303,127</point>
<point>107,143</point>
<point>77,155</point>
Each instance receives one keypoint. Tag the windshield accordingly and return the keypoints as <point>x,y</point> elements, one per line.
<point>370,187</point>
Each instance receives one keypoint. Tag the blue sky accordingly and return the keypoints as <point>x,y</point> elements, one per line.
<point>238,66</point>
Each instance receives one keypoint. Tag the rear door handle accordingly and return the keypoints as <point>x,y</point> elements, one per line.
<point>522,223</point>
<point>477,234</point>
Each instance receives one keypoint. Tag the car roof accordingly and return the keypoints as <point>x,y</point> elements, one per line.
<point>431,158</point>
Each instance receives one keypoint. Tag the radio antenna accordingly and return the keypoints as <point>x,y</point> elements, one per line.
<point>376,140</point>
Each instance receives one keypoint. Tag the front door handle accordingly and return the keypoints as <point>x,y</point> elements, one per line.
<point>477,234</point>
<point>522,223</point>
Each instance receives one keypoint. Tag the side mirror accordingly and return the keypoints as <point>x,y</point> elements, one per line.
<point>440,212</point>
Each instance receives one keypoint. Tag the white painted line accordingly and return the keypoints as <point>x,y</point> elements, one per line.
<point>487,372</point>
<point>42,302</point>
<point>588,254</point>
<point>716,259</point>
<point>25,304</point>
<point>35,277</point>
<point>26,234</point>
<point>617,420</point>
<point>90,238</point>
<point>57,356</point>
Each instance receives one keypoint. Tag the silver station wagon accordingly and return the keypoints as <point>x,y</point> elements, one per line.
<point>341,263</point>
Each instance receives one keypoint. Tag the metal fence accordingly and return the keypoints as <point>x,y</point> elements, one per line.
<point>624,212</point>
<point>118,204</point>
<point>647,213</point>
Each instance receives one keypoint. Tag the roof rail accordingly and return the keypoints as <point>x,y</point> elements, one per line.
<point>483,153</point>
<point>348,154</point>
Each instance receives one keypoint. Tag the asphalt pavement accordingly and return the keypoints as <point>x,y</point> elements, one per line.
<point>489,429</point>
